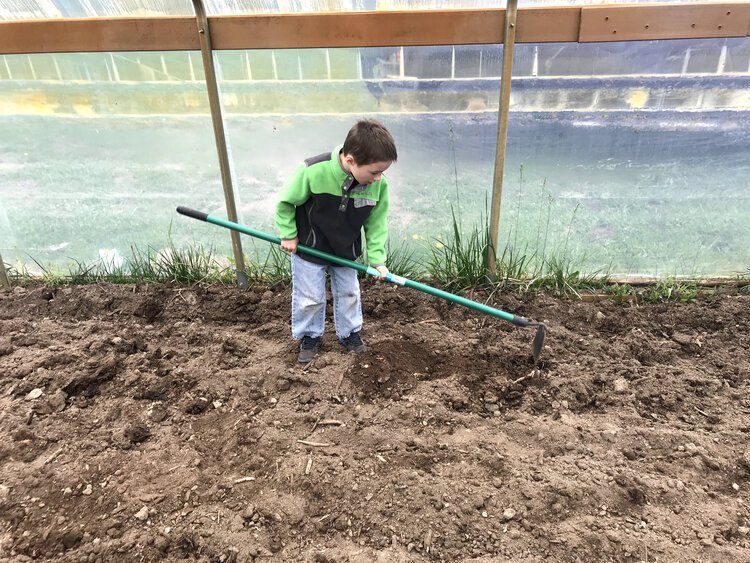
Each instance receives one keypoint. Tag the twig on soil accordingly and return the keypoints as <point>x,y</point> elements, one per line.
<point>520,379</point>
<point>711,417</point>
<point>428,541</point>
<point>335,394</point>
<point>428,321</point>
<point>315,425</point>
<point>330,422</point>
<point>314,444</point>
<point>53,456</point>
<point>243,480</point>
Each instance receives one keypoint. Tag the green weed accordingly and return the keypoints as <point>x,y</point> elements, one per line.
<point>402,261</point>
<point>460,261</point>
<point>272,269</point>
<point>560,277</point>
<point>621,291</point>
<point>670,290</point>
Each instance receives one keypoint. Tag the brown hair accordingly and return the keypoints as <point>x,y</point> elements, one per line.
<point>369,141</point>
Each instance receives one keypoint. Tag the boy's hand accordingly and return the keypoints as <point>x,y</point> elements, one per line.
<point>383,271</point>
<point>290,245</point>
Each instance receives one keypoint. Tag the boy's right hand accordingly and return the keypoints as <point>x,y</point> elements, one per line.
<point>290,245</point>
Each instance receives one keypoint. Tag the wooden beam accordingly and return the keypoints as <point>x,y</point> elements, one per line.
<point>548,25</point>
<point>619,23</point>
<point>388,28</point>
<point>99,35</point>
<point>362,29</point>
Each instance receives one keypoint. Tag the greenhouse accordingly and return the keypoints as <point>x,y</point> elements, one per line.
<point>554,272</point>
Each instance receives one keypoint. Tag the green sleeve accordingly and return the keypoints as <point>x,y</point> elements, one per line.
<point>376,228</point>
<point>295,192</point>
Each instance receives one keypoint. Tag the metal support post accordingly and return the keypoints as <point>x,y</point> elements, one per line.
<point>4,282</point>
<point>509,40</point>
<point>219,134</point>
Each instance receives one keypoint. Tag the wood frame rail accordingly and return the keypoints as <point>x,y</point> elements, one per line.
<point>617,22</point>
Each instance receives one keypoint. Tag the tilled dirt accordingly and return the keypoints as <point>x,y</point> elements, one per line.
<point>160,423</point>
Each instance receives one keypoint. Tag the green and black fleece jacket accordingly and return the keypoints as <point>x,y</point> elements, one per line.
<point>325,208</point>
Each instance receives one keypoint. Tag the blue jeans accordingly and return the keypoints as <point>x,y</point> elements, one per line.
<point>309,299</point>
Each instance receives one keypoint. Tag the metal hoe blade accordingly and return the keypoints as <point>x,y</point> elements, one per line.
<point>538,344</point>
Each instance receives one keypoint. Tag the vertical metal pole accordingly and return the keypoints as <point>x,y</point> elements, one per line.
<point>114,67</point>
<point>57,67</point>
<point>31,67</point>
<point>192,70</point>
<point>7,67</point>
<point>4,282</point>
<point>247,66</point>
<point>273,64</point>
<point>722,60</point>
<point>686,61</point>
<point>509,40</point>
<point>219,134</point>
<point>164,68</point>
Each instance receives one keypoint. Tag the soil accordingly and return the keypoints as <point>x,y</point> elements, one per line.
<point>164,423</point>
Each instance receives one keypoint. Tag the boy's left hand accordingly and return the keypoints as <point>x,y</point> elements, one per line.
<point>383,271</point>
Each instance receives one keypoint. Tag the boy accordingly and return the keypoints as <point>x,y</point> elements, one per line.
<point>324,205</point>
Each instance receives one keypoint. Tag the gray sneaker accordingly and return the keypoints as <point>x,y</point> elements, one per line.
<point>353,343</point>
<point>308,347</point>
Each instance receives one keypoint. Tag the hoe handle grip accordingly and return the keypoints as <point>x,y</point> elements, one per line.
<point>192,213</point>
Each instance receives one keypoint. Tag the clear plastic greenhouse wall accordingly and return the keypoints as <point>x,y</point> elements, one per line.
<point>627,157</point>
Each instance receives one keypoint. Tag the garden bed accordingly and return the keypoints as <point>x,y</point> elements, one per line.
<point>165,423</point>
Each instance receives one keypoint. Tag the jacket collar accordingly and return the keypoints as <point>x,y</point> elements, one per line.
<point>336,167</point>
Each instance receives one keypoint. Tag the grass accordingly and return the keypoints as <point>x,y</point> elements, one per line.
<point>670,291</point>
<point>459,266</point>
<point>458,262</point>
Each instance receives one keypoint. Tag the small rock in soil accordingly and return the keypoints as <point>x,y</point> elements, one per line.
<point>34,394</point>
<point>71,538</point>
<point>142,514</point>
<point>508,515</point>
<point>56,400</point>
<point>197,406</point>
<point>137,433</point>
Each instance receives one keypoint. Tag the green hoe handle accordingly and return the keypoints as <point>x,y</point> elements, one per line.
<point>369,270</point>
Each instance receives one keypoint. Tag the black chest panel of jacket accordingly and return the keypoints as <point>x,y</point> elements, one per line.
<point>333,223</point>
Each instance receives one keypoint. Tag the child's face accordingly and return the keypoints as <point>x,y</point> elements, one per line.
<point>367,173</point>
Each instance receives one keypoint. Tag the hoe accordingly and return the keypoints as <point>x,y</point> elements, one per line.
<point>369,270</point>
